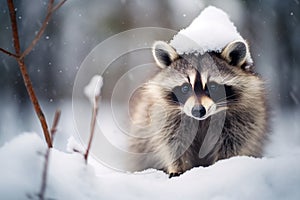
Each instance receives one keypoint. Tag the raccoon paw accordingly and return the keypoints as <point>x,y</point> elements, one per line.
<point>174,174</point>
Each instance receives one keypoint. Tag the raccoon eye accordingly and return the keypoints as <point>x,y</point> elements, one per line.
<point>215,91</point>
<point>185,88</point>
<point>213,86</point>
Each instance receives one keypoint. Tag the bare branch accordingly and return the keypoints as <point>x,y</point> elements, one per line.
<point>92,127</point>
<point>40,32</point>
<point>25,75</point>
<point>41,194</point>
<point>20,59</point>
<point>58,5</point>
<point>50,11</point>
<point>13,19</point>
<point>9,53</point>
<point>35,102</point>
<point>54,125</point>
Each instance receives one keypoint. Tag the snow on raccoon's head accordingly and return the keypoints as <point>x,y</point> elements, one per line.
<point>201,85</point>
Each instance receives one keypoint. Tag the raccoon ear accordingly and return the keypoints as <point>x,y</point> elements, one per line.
<point>236,53</point>
<point>163,53</point>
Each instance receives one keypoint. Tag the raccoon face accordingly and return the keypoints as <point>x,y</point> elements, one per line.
<point>201,85</point>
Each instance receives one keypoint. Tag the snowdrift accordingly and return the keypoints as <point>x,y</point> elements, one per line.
<point>22,163</point>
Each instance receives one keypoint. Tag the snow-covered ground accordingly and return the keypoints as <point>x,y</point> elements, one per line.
<point>69,178</point>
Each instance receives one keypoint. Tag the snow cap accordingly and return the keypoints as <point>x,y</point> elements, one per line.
<point>212,30</point>
<point>93,89</point>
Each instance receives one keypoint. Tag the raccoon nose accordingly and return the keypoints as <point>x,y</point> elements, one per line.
<point>198,111</point>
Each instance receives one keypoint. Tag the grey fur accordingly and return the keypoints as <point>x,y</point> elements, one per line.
<point>165,138</point>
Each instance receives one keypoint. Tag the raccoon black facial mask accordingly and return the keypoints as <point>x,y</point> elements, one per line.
<point>181,93</point>
<point>213,96</point>
<point>220,92</point>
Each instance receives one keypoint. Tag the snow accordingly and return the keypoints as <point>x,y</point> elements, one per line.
<point>212,30</point>
<point>70,178</point>
<point>74,146</point>
<point>93,89</point>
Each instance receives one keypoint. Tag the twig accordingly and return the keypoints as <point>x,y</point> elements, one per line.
<point>25,75</point>
<point>50,11</point>
<point>9,53</point>
<point>12,15</point>
<point>54,125</point>
<point>92,127</point>
<point>20,59</point>
<point>41,194</point>
<point>58,5</point>
<point>35,102</point>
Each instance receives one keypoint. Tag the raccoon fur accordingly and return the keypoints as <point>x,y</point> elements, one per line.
<point>198,109</point>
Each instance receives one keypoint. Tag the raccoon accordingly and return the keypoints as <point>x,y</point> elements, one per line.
<point>198,109</point>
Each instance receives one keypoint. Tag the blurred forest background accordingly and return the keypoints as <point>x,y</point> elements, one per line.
<point>272,28</point>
